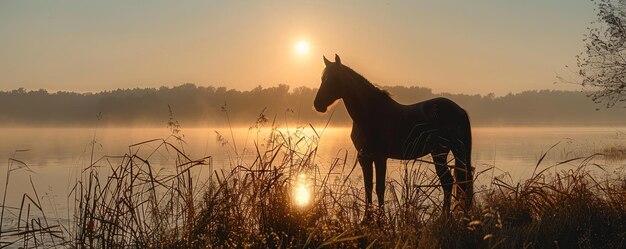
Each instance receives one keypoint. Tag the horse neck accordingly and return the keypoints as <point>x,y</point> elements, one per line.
<point>363,102</point>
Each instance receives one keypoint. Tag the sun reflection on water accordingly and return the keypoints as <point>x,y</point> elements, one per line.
<point>302,193</point>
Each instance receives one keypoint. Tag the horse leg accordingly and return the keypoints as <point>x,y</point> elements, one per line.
<point>440,159</point>
<point>381,172</point>
<point>367,167</point>
<point>463,175</point>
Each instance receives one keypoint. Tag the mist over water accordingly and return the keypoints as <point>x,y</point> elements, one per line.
<point>55,155</point>
<point>203,106</point>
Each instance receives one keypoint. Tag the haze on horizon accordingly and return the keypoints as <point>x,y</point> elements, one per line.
<point>459,47</point>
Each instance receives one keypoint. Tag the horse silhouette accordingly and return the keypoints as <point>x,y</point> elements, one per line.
<point>383,128</point>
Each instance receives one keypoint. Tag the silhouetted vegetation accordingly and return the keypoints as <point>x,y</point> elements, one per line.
<point>196,106</point>
<point>603,64</point>
<point>126,201</point>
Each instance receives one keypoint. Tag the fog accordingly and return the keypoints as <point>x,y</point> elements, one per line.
<point>195,106</point>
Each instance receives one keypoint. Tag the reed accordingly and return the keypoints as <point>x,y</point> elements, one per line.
<point>136,200</point>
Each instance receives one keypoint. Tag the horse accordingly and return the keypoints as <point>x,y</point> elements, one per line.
<point>383,128</point>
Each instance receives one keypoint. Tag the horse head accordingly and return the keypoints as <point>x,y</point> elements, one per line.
<point>332,87</point>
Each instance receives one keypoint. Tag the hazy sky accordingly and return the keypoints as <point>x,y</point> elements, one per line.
<point>495,46</point>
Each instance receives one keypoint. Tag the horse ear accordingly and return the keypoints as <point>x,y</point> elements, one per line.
<point>337,59</point>
<point>326,61</point>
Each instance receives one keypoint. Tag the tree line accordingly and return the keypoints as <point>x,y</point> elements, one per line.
<point>195,105</point>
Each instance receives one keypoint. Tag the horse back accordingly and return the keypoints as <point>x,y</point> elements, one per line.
<point>394,129</point>
<point>436,111</point>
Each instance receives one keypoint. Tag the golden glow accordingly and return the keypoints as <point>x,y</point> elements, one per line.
<point>302,194</point>
<point>302,47</point>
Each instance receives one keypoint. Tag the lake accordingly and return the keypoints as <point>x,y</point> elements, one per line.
<point>54,155</point>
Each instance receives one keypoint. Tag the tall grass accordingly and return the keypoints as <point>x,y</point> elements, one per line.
<point>32,227</point>
<point>133,201</point>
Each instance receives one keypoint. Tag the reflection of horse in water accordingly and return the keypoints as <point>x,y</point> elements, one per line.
<point>382,128</point>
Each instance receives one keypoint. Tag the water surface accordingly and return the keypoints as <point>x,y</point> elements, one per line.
<point>55,155</point>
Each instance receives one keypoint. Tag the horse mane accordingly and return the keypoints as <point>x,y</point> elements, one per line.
<point>358,78</point>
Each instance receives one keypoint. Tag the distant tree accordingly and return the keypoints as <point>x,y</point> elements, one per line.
<point>201,106</point>
<point>602,65</point>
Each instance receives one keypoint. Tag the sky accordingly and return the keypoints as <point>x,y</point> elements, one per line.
<point>474,47</point>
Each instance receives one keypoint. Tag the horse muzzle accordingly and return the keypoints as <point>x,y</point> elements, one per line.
<point>321,108</point>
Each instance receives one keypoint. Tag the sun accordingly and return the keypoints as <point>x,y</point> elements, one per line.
<point>302,47</point>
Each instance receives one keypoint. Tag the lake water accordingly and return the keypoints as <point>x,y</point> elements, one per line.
<point>54,155</point>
